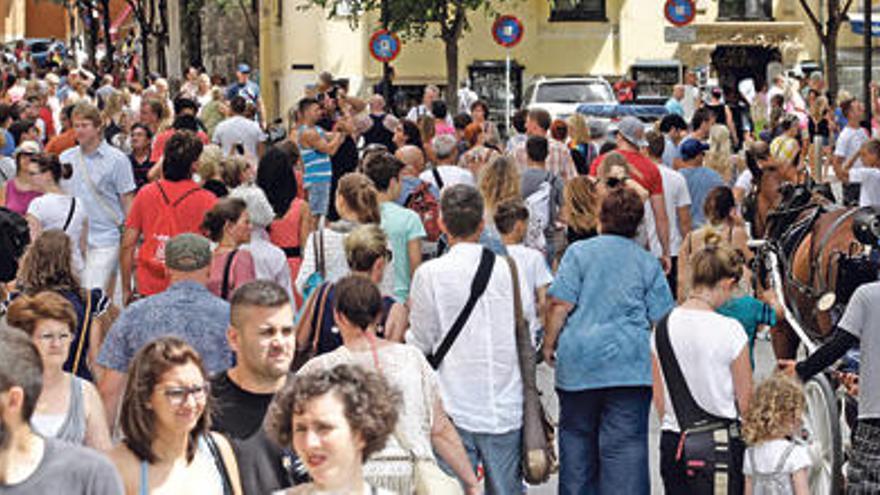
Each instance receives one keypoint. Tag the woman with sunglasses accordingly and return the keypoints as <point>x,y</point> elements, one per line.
<point>69,407</point>
<point>165,420</point>
<point>56,209</point>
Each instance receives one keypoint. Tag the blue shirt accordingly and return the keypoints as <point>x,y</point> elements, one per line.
<point>110,172</point>
<point>700,180</point>
<point>670,152</point>
<point>186,310</point>
<point>8,144</point>
<point>618,289</point>
<point>673,106</point>
<point>250,91</point>
<point>751,313</point>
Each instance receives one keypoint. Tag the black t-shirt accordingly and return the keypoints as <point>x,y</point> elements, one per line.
<point>237,412</point>
<point>217,187</point>
<point>140,170</point>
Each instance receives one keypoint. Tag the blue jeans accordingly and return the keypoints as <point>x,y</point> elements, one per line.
<point>501,456</point>
<point>603,441</point>
<point>319,197</point>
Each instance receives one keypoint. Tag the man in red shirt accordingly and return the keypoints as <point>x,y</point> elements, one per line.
<point>67,138</point>
<point>630,141</point>
<point>162,209</point>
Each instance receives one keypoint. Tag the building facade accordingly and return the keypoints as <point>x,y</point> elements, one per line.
<point>729,40</point>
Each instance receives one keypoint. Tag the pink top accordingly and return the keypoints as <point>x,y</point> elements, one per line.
<point>241,272</point>
<point>441,127</point>
<point>17,200</point>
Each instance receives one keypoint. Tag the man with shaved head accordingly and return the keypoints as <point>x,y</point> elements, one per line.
<point>414,160</point>
<point>382,124</point>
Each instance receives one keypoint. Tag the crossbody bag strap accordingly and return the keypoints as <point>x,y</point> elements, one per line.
<point>69,213</point>
<point>84,331</point>
<point>319,248</point>
<point>437,178</point>
<point>94,190</point>
<point>478,286</point>
<point>687,411</point>
<point>227,268</point>
<point>219,463</point>
<point>525,350</point>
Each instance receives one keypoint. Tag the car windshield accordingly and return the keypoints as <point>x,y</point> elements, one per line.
<point>574,92</point>
<point>39,47</point>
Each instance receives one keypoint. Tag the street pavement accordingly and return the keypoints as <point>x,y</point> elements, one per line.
<point>764,363</point>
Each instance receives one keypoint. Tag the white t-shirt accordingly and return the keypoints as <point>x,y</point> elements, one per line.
<point>450,175</point>
<point>849,143</point>
<point>869,178</point>
<point>744,181</point>
<point>646,235</point>
<point>533,274</point>
<point>7,169</point>
<point>238,129</point>
<point>768,454</point>
<point>676,195</point>
<point>705,344</point>
<point>690,102</point>
<point>51,210</point>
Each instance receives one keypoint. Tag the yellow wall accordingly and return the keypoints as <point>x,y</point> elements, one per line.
<point>634,32</point>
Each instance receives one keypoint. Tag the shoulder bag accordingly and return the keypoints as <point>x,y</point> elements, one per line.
<point>85,331</point>
<point>538,455</point>
<point>227,268</point>
<point>317,277</point>
<point>478,286</point>
<point>69,213</point>
<point>308,327</point>
<point>219,463</point>
<point>710,446</point>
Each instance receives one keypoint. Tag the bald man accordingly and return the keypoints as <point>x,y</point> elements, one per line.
<point>414,159</point>
<point>381,124</point>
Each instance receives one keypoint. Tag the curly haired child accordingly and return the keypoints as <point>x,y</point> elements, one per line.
<point>774,463</point>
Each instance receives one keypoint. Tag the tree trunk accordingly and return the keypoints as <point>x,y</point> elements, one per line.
<point>831,60</point>
<point>451,75</point>
<point>109,48</point>
<point>145,51</point>
<point>92,44</point>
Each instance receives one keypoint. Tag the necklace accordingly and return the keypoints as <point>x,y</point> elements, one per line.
<point>703,300</point>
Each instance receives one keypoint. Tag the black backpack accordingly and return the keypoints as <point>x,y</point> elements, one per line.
<point>14,238</point>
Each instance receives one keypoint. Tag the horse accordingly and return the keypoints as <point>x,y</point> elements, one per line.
<point>821,260</point>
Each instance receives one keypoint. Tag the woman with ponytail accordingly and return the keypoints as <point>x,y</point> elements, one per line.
<point>712,354</point>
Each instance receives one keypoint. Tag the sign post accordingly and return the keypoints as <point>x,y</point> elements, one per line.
<point>507,32</point>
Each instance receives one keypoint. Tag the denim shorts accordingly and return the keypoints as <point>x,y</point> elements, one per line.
<point>319,197</point>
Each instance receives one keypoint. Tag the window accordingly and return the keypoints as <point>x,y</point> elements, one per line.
<point>741,10</point>
<point>577,10</point>
<point>574,92</point>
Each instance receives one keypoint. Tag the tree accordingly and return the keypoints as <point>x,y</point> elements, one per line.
<point>414,20</point>
<point>152,20</point>
<point>827,34</point>
<point>228,6</point>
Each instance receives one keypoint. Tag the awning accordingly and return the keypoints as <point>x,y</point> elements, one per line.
<point>857,23</point>
<point>120,19</point>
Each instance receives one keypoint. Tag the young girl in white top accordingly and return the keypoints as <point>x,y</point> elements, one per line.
<point>774,463</point>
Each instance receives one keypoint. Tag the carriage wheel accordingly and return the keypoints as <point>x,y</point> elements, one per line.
<point>821,426</point>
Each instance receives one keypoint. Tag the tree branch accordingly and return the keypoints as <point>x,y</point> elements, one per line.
<point>247,20</point>
<point>813,19</point>
<point>846,7</point>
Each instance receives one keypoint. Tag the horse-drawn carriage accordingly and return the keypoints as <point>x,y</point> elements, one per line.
<point>814,253</point>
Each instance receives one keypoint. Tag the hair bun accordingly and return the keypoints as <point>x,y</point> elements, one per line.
<point>712,239</point>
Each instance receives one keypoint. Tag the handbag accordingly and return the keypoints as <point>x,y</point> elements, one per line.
<point>85,333</point>
<point>710,447</point>
<point>227,268</point>
<point>308,327</point>
<point>539,458</point>
<point>316,278</point>
<point>428,478</point>
<point>478,286</point>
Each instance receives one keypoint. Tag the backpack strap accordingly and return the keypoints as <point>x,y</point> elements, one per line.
<point>687,411</point>
<point>437,178</point>
<point>478,286</point>
<point>224,286</point>
<point>69,213</point>
<point>783,458</point>
<point>185,195</point>
<point>162,192</point>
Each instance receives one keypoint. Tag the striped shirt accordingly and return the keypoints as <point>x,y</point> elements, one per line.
<point>318,168</point>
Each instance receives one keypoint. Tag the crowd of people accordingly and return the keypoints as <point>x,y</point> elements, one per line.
<point>200,306</point>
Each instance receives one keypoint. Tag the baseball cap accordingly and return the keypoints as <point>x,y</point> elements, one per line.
<point>690,148</point>
<point>187,252</point>
<point>28,148</point>
<point>244,68</point>
<point>597,128</point>
<point>633,131</point>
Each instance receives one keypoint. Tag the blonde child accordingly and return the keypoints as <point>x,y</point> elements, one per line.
<point>512,220</point>
<point>774,463</point>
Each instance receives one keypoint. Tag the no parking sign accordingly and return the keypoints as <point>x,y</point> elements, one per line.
<point>384,45</point>
<point>680,12</point>
<point>507,31</point>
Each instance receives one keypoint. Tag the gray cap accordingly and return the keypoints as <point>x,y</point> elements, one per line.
<point>633,131</point>
<point>187,252</point>
<point>597,128</point>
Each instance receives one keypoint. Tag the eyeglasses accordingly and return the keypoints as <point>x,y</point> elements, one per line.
<point>177,396</point>
<point>48,338</point>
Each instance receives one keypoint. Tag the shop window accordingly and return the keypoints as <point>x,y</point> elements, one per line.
<point>577,10</point>
<point>742,10</point>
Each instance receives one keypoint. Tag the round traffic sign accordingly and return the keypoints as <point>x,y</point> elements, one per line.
<point>384,45</point>
<point>507,30</point>
<point>680,12</point>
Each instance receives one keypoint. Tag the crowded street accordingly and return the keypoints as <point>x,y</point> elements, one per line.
<point>364,247</point>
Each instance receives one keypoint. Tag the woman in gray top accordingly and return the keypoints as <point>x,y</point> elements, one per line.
<point>69,408</point>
